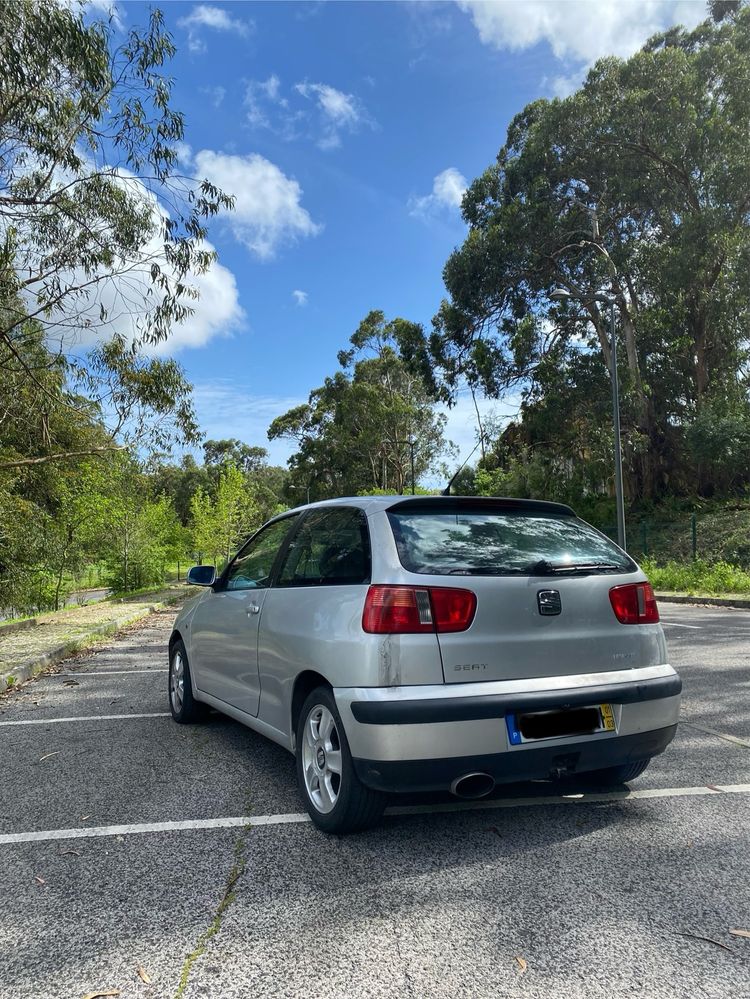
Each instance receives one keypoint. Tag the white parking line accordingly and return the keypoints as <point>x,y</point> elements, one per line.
<point>84,718</point>
<point>676,624</point>
<point>302,817</point>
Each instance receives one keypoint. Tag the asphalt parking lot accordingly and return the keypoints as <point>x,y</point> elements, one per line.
<point>533,895</point>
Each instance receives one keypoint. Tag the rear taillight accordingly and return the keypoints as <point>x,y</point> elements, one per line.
<point>404,610</point>
<point>634,603</point>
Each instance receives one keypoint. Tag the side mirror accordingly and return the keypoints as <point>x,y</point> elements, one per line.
<point>202,575</point>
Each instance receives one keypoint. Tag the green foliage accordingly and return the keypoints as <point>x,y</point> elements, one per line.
<point>222,523</point>
<point>88,146</point>
<point>633,187</point>
<point>698,577</point>
<point>353,433</point>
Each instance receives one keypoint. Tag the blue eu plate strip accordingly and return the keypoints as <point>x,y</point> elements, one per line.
<point>514,736</point>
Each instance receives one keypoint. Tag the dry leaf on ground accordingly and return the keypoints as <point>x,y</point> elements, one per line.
<point>39,880</point>
<point>521,965</point>
<point>143,974</point>
<point>47,755</point>
<point>102,995</point>
<point>740,933</point>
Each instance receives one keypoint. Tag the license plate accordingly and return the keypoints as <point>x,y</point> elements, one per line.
<point>533,726</point>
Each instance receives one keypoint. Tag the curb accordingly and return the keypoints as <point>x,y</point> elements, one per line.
<point>22,673</point>
<point>742,603</point>
<point>11,629</point>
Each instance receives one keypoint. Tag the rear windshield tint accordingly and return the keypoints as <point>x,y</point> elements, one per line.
<point>497,543</point>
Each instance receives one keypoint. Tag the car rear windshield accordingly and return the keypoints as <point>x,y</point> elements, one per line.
<point>501,542</point>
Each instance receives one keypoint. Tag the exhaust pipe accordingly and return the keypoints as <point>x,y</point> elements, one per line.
<point>472,785</point>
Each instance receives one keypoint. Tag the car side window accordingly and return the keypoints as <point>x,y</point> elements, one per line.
<point>331,548</point>
<point>252,568</point>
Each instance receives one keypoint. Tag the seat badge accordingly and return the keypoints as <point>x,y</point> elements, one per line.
<point>549,602</point>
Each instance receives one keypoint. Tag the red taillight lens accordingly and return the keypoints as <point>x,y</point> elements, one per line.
<point>415,609</point>
<point>634,603</point>
<point>453,609</point>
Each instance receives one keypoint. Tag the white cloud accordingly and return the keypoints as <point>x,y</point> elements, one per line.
<point>109,10</point>
<point>300,297</point>
<point>448,189</point>
<point>216,18</point>
<point>314,110</point>
<point>260,95</point>
<point>225,409</point>
<point>578,31</point>
<point>267,211</point>
<point>120,301</point>
<point>338,111</point>
<point>216,94</point>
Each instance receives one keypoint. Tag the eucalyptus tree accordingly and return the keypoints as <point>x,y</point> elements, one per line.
<point>99,234</point>
<point>637,186</point>
<point>359,430</point>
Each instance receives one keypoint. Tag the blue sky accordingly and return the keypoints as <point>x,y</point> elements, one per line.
<point>347,132</point>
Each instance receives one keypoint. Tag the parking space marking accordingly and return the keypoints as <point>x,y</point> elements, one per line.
<point>229,822</point>
<point>83,718</point>
<point>719,735</point>
<point>677,624</point>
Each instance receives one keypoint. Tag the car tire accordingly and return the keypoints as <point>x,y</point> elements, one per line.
<point>184,707</point>
<point>337,801</point>
<point>614,775</point>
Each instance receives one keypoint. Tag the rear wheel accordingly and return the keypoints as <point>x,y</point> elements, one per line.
<point>614,775</point>
<point>338,802</point>
<point>184,707</point>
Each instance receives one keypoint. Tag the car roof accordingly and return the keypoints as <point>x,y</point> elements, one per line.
<point>374,504</point>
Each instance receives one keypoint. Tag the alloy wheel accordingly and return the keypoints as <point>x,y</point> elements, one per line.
<point>321,758</point>
<point>177,682</point>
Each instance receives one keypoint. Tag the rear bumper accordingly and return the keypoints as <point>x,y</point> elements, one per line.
<point>505,768</point>
<point>432,734</point>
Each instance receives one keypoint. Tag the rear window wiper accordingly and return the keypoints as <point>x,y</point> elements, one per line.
<point>487,570</point>
<point>545,568</point>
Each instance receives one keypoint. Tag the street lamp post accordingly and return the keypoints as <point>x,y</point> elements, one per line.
<point>559,295</point>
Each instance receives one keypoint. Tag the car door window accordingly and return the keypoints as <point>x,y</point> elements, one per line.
<point>332,547</point>
<point>252,567</point>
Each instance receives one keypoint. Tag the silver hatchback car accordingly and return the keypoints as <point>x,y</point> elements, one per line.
<point>430,643</point>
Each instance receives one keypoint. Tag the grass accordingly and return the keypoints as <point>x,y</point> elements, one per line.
<point>697,577</point>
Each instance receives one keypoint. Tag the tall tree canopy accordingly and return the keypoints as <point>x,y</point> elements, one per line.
<point>353,434</point>
<point>638,187</point>
<point>99,236</point>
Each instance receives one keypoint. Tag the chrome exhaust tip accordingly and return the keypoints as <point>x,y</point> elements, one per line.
<point>473,785</point>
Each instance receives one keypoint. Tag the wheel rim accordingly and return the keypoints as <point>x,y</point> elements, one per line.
<point>321,759</point>
<point>177,681</point>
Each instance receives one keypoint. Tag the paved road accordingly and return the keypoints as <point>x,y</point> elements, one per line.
<point>600,898</point>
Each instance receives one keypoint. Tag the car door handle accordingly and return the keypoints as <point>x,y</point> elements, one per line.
<point>253,609</point>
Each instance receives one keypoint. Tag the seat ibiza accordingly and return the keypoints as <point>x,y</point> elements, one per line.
<point>430,644</point>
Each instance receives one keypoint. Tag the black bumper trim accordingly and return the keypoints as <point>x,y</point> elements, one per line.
<point>515,764</point>
<point>448,709</point>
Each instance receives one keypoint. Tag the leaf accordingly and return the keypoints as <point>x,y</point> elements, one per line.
<point>65,853</point>
<point>39,880</point>
<point>740,933</point>
<point>143,974</point>
<point>696,936</point>
<point>102,995</point>
<point>48,755</point>
<point>522,965</point>
<point>71,683</point>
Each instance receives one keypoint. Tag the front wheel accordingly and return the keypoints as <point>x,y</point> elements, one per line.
<point>338,802</point>
<point>184,707</point>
